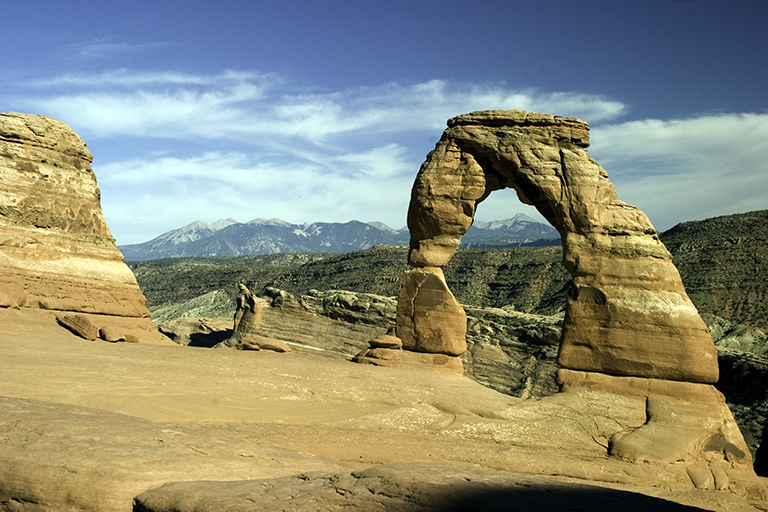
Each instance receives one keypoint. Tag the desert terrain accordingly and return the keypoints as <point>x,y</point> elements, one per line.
<point>89,425</point>
<point>100,411</point>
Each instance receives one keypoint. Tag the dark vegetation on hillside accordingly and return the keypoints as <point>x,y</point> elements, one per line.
<point>529,278</point>
<point>723,263</point>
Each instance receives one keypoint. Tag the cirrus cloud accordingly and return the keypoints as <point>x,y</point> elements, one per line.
<point>248,106</point>
<point>244,144</point>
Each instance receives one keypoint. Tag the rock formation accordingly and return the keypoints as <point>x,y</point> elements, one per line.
<point>246,324</point>
<point>629,327</point>
<point>627,310</point>
<point>197,331</point>
<point>56,251</point>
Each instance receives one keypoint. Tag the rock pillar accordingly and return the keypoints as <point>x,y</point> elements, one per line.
<point>429,318</point>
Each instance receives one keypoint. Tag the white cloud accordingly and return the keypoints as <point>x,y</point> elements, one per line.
<point>259,108</point>
<point>687,169</point>
<point>384,162</point>
<point>261,147</point>
<point>126,79</point>
<point>105,47</point>
<point>164,193</point>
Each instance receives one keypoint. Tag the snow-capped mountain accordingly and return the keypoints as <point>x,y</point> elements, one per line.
<point>228,237</point>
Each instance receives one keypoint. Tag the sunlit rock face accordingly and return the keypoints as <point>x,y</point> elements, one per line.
<point>627,312</point>
<point>432,321</point>
<point>56,251</point>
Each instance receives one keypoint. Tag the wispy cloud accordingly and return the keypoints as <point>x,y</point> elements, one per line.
<point>264,147</point>
<point>258,108</point>
<point>103,47</point>
<point>117,79</point>
<point>686,169</point>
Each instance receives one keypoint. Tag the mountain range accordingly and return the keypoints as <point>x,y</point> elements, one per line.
<point>228,237</point>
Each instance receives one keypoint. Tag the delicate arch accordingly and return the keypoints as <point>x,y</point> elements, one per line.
<point>627,312</point>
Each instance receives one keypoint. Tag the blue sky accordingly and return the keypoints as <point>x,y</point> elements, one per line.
<point>323,110</point>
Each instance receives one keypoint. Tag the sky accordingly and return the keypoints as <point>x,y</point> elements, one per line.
<point>323,111</point>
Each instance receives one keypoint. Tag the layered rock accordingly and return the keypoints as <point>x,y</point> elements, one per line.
<point>246,325</point>
<point>627,312</point>
<point>56,251</point>
<point>629,327</point>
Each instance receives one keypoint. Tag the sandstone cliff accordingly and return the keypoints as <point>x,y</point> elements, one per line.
<point>56,251</point>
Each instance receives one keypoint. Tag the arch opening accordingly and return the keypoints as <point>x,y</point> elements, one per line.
<point>628,313</point>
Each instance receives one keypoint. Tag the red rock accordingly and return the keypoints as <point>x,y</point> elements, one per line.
<point>627,312</point>
<point>56,249</point>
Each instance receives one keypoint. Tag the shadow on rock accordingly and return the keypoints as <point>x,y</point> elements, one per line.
<point>208,340</point>
<point>400,488</point>
<point>559,500</point>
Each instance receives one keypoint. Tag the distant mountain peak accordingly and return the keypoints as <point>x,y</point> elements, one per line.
<point>228,237</point>
<point>382,226</point>
<point>520,219</point>
<point>193,226</point>
<point>223,223</point>
<point>261,221</point>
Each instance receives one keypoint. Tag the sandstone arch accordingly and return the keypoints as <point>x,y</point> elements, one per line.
<point>627,312</point>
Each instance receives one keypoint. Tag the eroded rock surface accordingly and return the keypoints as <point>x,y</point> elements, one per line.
<point>87,426</point>
<point>56,251</point>
<point>627,312</point>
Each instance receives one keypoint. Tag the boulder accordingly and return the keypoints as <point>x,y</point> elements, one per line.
<point>386,341</point>
<point>111,333</point>
<point>80,325</point>
<point>56,251</point>
<point>396,358</point>
<point>253,342</point>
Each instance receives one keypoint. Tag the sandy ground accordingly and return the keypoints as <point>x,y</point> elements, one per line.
<point>222,414</point>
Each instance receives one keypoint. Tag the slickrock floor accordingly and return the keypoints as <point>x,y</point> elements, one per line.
<point>90,425</point>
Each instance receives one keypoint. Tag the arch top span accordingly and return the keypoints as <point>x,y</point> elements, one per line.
<point>542,157</point>
<point>572,129</point>
<point>627,312</point>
